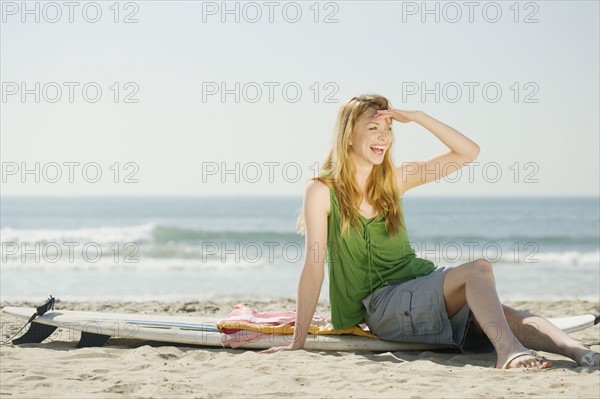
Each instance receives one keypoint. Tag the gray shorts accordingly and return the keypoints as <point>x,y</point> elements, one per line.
<point>413,310</point>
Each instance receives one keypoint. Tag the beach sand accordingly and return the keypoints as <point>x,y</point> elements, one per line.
<point>122,368</point>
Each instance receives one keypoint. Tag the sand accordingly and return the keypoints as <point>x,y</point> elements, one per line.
<point>122,368</point>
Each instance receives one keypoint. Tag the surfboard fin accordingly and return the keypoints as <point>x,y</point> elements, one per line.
<point>37,333</point>
<point>89,340</point>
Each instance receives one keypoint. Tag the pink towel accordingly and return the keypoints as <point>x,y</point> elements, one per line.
<point>235,327</point>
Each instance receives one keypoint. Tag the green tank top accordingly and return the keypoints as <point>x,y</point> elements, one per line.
<point>362,261</point>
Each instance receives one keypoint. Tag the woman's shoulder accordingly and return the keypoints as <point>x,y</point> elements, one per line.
<point>317,189</point>
<point>317,194</point>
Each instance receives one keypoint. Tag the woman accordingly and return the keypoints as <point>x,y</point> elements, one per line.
<point>354,210</point>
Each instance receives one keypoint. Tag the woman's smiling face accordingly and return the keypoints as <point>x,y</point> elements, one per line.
<point>371,138</point>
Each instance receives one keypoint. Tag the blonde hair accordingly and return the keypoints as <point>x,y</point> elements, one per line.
<point>338,171</point>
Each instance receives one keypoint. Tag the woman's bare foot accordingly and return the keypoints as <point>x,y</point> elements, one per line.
<point>589,359</point>
<point>583,355</point>
<point>525,359</point>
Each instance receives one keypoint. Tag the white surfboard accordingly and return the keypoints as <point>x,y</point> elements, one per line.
<point>97,327</point>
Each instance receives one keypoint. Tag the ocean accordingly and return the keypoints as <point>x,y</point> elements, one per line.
<point>247,248</point>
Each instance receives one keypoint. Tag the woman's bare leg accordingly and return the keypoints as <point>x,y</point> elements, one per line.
<point>474,284</point>
<point>537,333</point>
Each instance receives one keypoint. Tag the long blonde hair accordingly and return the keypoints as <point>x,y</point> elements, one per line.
<point>338,170</point>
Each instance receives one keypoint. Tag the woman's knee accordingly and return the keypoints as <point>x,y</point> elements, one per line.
<point>458,277</point>
<point>482,265</point>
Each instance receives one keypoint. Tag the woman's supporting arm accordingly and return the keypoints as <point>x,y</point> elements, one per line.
<point>309,288</point>
<point>316,207</point>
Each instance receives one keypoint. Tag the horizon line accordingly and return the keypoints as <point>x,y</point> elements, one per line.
<point>192,196</point>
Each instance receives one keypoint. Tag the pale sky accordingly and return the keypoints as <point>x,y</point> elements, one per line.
<point>541,132</point>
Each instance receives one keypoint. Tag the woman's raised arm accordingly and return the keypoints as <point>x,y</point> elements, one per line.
<point>462,150</point>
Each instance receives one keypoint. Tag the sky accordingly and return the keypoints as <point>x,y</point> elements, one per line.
<point>189,98</point>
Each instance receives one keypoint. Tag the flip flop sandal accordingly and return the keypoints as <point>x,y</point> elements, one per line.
<point>527,352</point>
<point>588,359</point>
